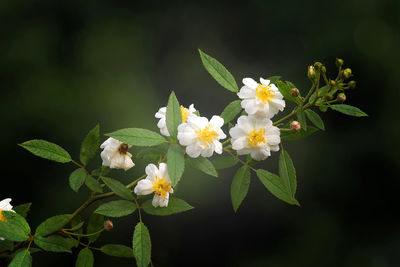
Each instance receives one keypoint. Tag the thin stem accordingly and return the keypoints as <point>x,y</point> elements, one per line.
<point>138,208</point>
<point>82,235</point>
<point>77,164</point>
<point>243,162</point>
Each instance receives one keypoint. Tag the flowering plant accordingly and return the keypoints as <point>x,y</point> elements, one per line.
<point>186,140</point>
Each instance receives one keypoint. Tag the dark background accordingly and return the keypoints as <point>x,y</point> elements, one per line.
<point>66,65</point>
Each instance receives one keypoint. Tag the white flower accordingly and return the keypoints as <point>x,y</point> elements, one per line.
<point>157,181</point>
<point>200,136</point>
<point>5,206</point>
<point>162,112</point>
<point>115,154</point>
<point>261,99</point>
<point>255,136</point>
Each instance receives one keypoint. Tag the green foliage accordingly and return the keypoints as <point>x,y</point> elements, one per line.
<point>138,137</point>
<point>23,209</point>
<point>118,188</point>
<point>55,243</point>
<point>77,178</point>
<point>240,186</point>
<point>15,228</point>
<point>175,205</point>
<point>219,72</point>
<point>231,111</point>
<point>224,162</point>
<point>294,135</point>
<point>85,258</point>
<point>90,145</point>
<point>117,250</point>
<point>348,110</point>
<point>93,184</point>
<point>285,91</point>
<point>315,119</point>
<point>52,224</point>
<point>117,208</point>
<point>95,224</point>
<point>22,259</point>
<point>287,172</point>
<point>153,153</point>
<point>202,164</point>
<point>302,119</point>
<point>47,150</point>
<point>273,79</point>
<point>141,245</point>
<point>6,245</point>
<point>173,116</point>
<point>175,163</point>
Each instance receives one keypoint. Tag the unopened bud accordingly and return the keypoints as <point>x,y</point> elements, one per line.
<point>332,83</point>
<point>352,84</point>
<point>108,225</point>
<point>294,92</point>
<point>328,96</point>
<point>347,73</point>
<point>295,125</point>
<point>341,97</point>
<point>323,69</point>
<point>318,65</point>
<point>339,62</point>
<point>311,72</point>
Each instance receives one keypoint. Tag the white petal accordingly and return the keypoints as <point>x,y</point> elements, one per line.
<point>278,103</point>
<point>163,170</point>
<point>246,92</point>
<point>144,187</point>
<point>217,121</point>
<point>193,150</point>
<point>218,147</point>
<point>250,83</point>
<point>208,151</point>
<point>273,140</point>
<point>240,143</point>
<point>151,170</point>
<point>250,106</point>
<point>236,132</point>
<point>263,81</point>
<point>5,204</point>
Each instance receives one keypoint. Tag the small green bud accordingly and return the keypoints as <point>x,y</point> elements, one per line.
<point>339,62</point>
<point>323,69</point>
<point>328,96</point>
<point>352,84</point>
<point>341,97</point>
<point>332,83</point>
<point>347,73</point>
<point>108,225</point>
<point>318,65</point>
<point>311,72</point>
<point>294,92</point>
<point>295,125</point>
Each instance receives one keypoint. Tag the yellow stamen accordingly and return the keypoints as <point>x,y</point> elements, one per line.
<point>256,137</point>
<point>265,93</point>
<point>161,186</point>
<point>185,113</point>
<point>2,217</point>
<point>206,135</point>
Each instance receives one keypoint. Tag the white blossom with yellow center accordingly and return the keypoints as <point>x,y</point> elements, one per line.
<point>157,181</point>
<point>115,154</point>
<point>200,136</point>
<point>255,136</point>
<point>261,99</point>
<point>5,206</point>
<point>162,113</point>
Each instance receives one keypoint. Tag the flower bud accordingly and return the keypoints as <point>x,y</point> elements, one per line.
<point>323,69</point>
<point>108,225</point>
<point>318,65</point>
<point>328,96</point>
<point>347,73</point>
<point>352,84</point>
<point>332,83</point>
<point>295,125</point>
<point>339,62</point>
<point>341,97</point>
<point>294,92</point>
<point>311,72</point>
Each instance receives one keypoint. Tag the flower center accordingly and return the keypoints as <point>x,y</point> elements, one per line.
<point>265,93</point>
<point>206,135</point>
<point>185,113</point>
<point>2,217</point>
<point>256,137</point>
<point>161,186</point>
<point>123,148</point>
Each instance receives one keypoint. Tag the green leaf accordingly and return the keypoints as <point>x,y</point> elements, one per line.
<point>276,186</point>
<point>55,243</point>
<point>141,245</point>
<point>118,188</point>
<point>294,135</point>
<point>321,92</point>
<point>117,208</point>
<point>23,209</point>
<point>52,224</point>
<point>219,72</point>
<point>6,245</point>
<point>240,186</point>
<point>287,172</point>
<point>116,250</point>
<point>15,228</point>
<point>202,164</point>
<point>103,170</point>
<point>315,119</point>
<point>224,162</point>
<point>22,259</point>
<point>175,163</point>
<point>138,137</point>
<point>174,115</point>
<point>231,111</point>
<point>96,223</point>
<point>93,184</point>
<point>323,108</point>
<point>285,91</point>
<point>47,150</point>
<point>348,110</point>
<point>85,258</point>
<point>175,205</point>
<point>273,79</point>
<point>77,226</point>
<point>302,119</point>
<point>152,153</point>
<point>90,145</point>
<point>77,178</point>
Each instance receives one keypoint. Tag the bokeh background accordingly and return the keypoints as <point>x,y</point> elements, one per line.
<point>67,65</point>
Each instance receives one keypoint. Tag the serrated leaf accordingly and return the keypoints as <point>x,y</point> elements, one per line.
<point>174,115</point>
<point>90,145</point>
<point>103,170</point>
<point>287,172</point>
<point>224,162</point>
<point>77,178</point>
<point>175,163</point>
<point>117,208</point>
<point>55,243</point>
<point>52,224</point>
<point>302,119</point>
<point>202,164</point>
<point>85,258</point>
<point>141,245</point>
<point>276,186</point>
<point>285,91</point>
<point>138,137</point>
<point>240,186</point>
<point>22,259</point>
<point>152,153</point>
<point>175,205</point>
<point>93,184</point>
<point>23,209</point>
<point>117,250</point>
<point>118,188</point>
<point>321,92</point>
<point>95,224</point>
<point>47,150</point>
<point>6,245</point>
<point>348,110</point>
<point>273,79</point>
<point>294,135</point>
<point>231,111</point>
<point>15,227</point>
<point>77,226</point>
<point>315,119</point>
<point>218,72</point>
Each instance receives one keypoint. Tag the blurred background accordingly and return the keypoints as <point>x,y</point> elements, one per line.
<point>67,65</point>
